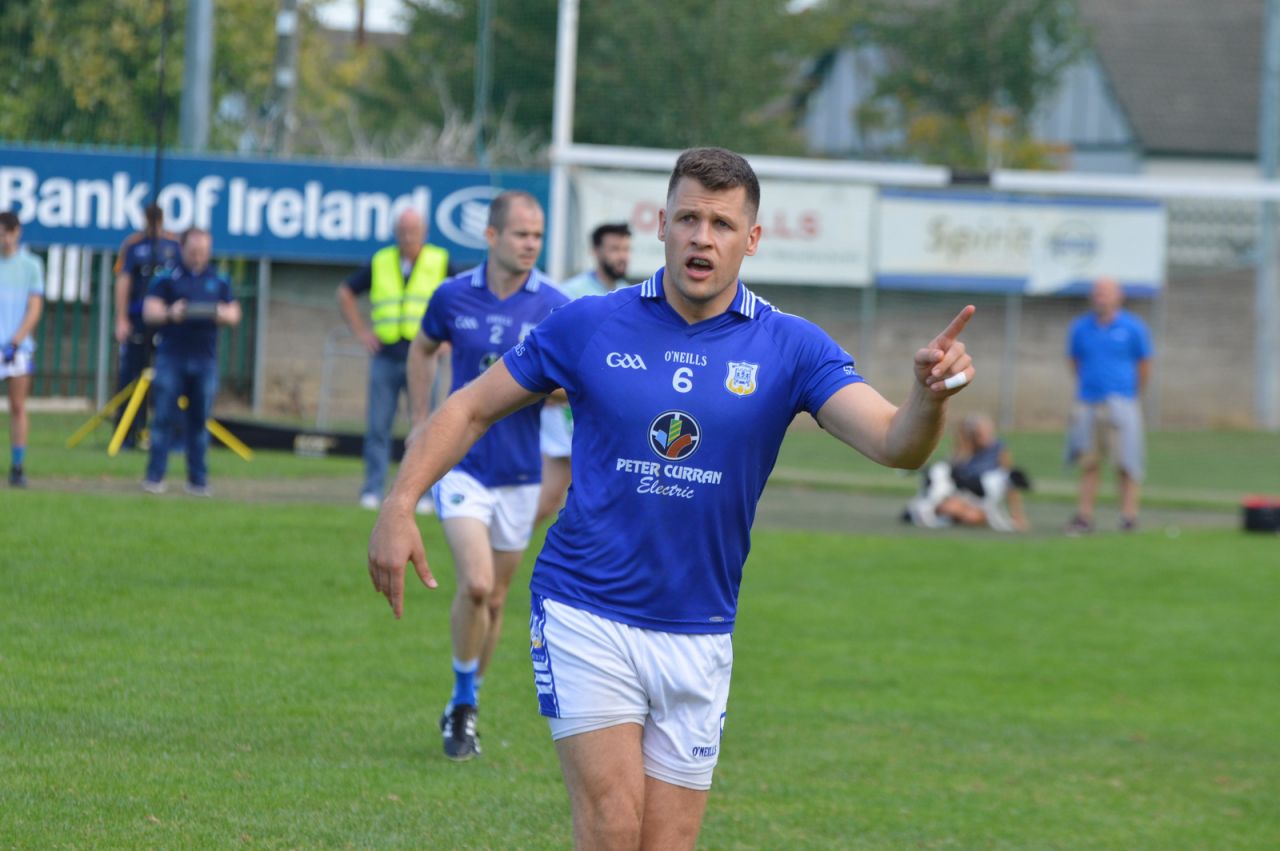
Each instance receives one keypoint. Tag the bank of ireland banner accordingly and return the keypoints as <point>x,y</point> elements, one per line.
<point>323,212</point>
<point>933,240</point>
<point>816,234</point>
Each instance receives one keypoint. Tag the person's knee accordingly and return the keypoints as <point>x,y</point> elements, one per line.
<point>476,589</point>
<point>611,819</point>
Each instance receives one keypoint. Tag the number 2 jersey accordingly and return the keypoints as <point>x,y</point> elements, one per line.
<point>465,313</point>
<point>676,429</point>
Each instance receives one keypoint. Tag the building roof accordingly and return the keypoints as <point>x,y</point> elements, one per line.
<point>1186,72</point>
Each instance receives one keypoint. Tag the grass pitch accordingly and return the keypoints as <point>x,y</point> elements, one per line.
<point>184,673</point>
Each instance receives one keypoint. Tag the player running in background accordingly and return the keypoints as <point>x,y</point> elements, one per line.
<point>635,592</point>
<point>486,503</point>
<point>611,248</point>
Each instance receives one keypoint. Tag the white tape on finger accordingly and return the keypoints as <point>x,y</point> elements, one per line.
<point>960,379</point>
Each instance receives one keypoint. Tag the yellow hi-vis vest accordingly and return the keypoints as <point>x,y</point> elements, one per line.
<point>398,306</point>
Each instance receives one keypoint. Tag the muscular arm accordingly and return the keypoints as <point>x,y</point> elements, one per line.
<point>893,436</point>
<point>1144,373</point>
<point>421,375</point>
<point>903,436</point>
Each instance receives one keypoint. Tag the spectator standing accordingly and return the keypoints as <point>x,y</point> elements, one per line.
<point>400,280</point>
<point>186,305</point>
<point>21,303</point>
<point>1110,352</point>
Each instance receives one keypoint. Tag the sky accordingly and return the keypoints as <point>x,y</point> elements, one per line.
<point>380,15</point>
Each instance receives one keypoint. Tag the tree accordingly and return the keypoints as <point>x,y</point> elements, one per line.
<point>88,71</point>
<point>965,76</point>
<point>720,74</point>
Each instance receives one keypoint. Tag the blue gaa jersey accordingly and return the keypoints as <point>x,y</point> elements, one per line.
<point>479,326</point>
<point>676,429</point>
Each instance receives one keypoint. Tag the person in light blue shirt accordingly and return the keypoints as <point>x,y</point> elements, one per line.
<point>21,302</point>
<point>1110,352</point>
<point>682,388</point>
<point>486,503</point>
<point>611,248</point>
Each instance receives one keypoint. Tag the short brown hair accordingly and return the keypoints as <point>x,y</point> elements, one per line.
<point>501,205</point>
<point>716,169</point>
<point>9,220</point>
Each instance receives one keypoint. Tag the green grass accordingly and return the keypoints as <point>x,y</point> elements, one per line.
<point>1209,468</point>
<point>176,673</point>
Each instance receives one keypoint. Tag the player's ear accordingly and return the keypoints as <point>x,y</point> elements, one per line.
<point>753,238</point>
<point>662,225</point>
<point>491,236</point>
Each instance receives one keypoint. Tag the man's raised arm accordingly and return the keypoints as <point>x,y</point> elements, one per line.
<point>904,436</point>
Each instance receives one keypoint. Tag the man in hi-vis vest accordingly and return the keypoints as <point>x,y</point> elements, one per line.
<point>399,280</point>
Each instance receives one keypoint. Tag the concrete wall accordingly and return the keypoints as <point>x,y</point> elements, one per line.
<point>1203,379</point>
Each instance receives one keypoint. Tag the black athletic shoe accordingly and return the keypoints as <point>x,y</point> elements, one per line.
<point>1079,526</point>
<point>459,728</point>
<point>17,477</point>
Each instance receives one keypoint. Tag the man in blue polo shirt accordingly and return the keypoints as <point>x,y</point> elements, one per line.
<point>1110,352</point>
<point>186,305</point>
<point>486,503</point>
<point>682,389</point>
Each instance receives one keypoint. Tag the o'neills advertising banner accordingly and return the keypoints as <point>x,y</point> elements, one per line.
<point>259,208</point>
<point>814,233</point>
<point>932,240</point>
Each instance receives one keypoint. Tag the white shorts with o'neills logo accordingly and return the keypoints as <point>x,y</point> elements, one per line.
<point>592,673</point>
<point>508,510</point>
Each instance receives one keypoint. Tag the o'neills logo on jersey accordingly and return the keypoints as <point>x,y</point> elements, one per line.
<point>674,435</point>
<point>741,380</point>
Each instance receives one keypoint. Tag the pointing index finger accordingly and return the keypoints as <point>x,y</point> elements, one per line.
<point>952,331</point>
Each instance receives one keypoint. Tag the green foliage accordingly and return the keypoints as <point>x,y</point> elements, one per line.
<point>965,76</point>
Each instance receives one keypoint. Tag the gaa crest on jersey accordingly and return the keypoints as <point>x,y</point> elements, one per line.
<point>741,380</point>
<point>674,435</point>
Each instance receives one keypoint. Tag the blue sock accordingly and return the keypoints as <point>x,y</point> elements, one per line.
<point>19,455</point>
<point>464,682</point>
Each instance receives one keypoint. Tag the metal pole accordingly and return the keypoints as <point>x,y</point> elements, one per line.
<point>106,311</point>
<point>1156,379</point>
<point>164,50</point>
<point>197,74</point>
<point>562,138</point>
<point>1009,360</point>
<point>1267,301</point>
<point>866,329</point>
<point>484,77</point>
<point>260,334</point>
<point>286,78</point>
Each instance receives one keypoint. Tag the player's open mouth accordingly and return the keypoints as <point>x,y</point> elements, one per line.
<point>698,267</point>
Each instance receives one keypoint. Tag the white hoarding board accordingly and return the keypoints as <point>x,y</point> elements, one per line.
<point>813,233</point>
<point>1038,246</point>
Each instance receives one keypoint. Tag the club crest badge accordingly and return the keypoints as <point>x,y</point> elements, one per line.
<point>741,380</point>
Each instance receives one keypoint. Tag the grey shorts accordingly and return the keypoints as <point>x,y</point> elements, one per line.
<point>1110,430</point>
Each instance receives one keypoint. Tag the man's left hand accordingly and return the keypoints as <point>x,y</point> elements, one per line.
<point>944,367</point>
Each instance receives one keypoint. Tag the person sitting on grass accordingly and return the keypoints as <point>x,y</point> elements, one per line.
<point>977,486</point>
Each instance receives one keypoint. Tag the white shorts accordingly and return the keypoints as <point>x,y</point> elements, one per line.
<point>592,673</point>
<point>508,511</point>
<point>21,366</point>
<point>556,436</point>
